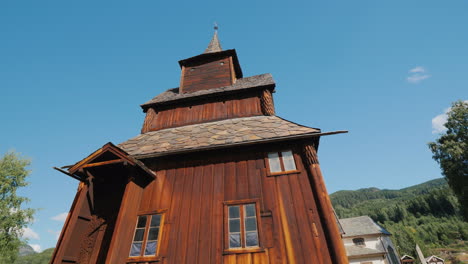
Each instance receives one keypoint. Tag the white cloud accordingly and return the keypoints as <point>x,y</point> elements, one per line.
<point>36,247</point>
<point>30,234</point>
<point>418,69</point>
<point>417,75</point>
<point>438,122</point>
<point>60,217</point>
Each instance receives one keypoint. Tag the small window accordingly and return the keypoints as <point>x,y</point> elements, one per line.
<point>147,233</point>
<point>359,241</point>
<point>281,161</point>
<point>242,226</point>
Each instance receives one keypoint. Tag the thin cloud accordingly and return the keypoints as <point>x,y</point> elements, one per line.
<point>36,247</point>
<point>418,69</point>
<point>60,217</point>
<point>417,75</point>
<point>30,234</point>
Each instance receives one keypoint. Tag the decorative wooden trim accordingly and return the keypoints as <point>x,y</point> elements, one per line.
<point>267,104</point>
<point>243,250</point>
<point>310,155</point>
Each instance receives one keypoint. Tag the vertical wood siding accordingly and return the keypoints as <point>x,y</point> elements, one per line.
<point>193,191</point>
<point>203,111</point>
<point>209,75</point>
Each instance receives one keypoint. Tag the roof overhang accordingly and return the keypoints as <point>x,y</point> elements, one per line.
<point>206,57</point>
<point>107,155</point>
<point>259,141</point>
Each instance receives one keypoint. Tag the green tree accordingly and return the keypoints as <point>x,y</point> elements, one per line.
<point>450,150</point>
<point>13,218</point>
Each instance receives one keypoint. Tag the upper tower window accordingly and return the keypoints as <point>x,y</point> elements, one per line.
<point>281,161</point>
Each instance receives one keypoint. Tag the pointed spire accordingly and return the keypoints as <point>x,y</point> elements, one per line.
<point>214,45</point>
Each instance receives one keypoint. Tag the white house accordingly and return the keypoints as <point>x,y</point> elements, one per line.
<point>434,260</point>
<point>366,242</point>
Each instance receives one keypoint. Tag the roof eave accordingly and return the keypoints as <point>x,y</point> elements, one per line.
<point>145,106</point>
<point>259,141</point>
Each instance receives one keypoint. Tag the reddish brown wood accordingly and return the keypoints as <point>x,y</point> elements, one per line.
<point>203,111</point>
<point>209,75</point>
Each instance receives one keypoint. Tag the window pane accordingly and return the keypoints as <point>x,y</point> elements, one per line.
<point>234,225</point>
<point>250,210</point>
<point>273,160</point>
<point>234,212</point>
<point>139,233</point>
<point>251,239</point>
<point>288,161</point>
<point>153,233</point>
<point>135,250</point>
<point>141,221</point>
<point>250,224</point>
<point>155,220</point>
<point>234,240</point>
<point>150,248</point>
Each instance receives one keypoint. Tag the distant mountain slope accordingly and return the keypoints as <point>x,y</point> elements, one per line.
<point>348,199</point>
<point>25,250</point>
<point>427,214</point>
<point>36,258</point>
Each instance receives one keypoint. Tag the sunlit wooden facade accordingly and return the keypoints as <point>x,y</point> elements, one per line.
<point>214,177</point>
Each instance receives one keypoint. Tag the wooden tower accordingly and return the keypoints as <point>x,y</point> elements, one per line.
<point>214,177</point>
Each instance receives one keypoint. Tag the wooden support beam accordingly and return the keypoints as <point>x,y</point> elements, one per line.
<point>102,163</point>
<point>69,174</point>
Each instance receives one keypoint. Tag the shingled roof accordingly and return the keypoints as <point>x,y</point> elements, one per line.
<point>210,135</point>
<point>252,82</point>
<point>361,225</point>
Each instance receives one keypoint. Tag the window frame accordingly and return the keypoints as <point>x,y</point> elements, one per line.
<point>142,255</point>
<point>280,157</point>
<point>243,248</point>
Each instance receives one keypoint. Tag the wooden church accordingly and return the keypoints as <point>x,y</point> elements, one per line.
<point>214,177</point>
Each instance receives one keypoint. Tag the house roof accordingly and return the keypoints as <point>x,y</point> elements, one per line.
<point>224,133</point>
<point>361,225</point>
<point>354,251</point>
<point>432,257</point>
<point>406,257</point>
<point>171,95</point>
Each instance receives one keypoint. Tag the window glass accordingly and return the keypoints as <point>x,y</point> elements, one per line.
<point>145,239</point>
<point>274,161</point>
<point>234,225</point>
<point>250,225</point>
<point>288,160</point>
<point>242,226</point>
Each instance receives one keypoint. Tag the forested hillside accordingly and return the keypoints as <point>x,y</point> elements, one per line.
<point>427,214</point>
<point>36,258</point>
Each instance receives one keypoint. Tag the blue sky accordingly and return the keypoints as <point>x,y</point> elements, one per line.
<point>73,73</point>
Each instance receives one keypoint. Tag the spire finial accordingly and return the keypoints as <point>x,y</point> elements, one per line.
<point>214,45</point>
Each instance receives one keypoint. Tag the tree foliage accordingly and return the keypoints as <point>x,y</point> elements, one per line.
<point>450,150</point>
<point>426,214</point>
<point>13,218</point>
